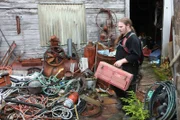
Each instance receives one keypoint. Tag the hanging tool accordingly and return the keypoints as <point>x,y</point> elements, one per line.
<point>18,25</point>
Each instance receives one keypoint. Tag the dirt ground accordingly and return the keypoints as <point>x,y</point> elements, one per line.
<point>148,76</point>
<point>110,112</point>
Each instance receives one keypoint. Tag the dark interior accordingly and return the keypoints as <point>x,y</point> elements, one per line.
<point>143,14</point>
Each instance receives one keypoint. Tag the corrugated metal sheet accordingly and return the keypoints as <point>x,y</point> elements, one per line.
<point>63,20</point>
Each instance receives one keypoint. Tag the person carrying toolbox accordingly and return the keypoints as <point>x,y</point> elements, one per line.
<point>129,54</point>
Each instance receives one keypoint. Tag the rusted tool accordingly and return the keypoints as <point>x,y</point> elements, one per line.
<point>18,25</point>
<point>8,54</point>
<point>8,44</point>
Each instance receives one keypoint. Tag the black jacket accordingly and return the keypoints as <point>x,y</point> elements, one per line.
<point>133,45</point>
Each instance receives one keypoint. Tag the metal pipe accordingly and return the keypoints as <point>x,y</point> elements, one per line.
<point>24,103</point>
<point>69,46</point>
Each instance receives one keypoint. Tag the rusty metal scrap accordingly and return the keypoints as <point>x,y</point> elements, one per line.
<point>7,43</point>
<point>28,106</point>
<point>54,56</point>
<point>92,110</point>
<point>4,76</point>
<point>51,107</point>
<point>50,69</point>
<point>6,69</point>
<point>31,62</point>
<point>18,25</point>
<point>8,54</point>
<point>56,85</point>
<point>54,41</point>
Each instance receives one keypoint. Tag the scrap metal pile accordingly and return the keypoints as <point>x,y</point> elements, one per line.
<point>59,89</point>
<point>37,97</point>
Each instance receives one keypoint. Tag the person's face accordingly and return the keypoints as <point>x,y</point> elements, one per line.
<point>122,28</point>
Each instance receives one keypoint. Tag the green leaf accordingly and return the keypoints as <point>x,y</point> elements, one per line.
<point>134,107</point>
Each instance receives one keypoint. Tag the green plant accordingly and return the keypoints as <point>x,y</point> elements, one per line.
<point>134,107</point>
<point>163,71</point>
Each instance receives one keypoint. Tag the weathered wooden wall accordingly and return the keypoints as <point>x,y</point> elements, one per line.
<point>176,25</point>
<point>28,41</point>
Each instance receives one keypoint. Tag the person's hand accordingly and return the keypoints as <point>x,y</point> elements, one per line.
<point>120,62</point>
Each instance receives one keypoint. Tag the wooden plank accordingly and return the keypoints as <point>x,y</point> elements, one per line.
<point>24,32</point>
<point>8,21</point>
<point>127,8</point>
<point>8,27</point>
<point>35,42</point>
<point>22,21</point>
<point>31,32</point>
<point>6,5</point>
<point>14,38</point>
<point>30,21</point>
<point>9,33</point>
<point>30,27</point>
<point>177,48</point>
<point>23,27</point>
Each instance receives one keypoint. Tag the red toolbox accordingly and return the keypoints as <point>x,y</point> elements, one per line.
<point>113,75</point>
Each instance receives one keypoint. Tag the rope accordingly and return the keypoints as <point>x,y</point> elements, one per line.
<point>58,111</point>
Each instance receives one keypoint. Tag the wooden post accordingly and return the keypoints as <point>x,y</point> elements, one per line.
<point>178,97</point>
<point>175,58</point>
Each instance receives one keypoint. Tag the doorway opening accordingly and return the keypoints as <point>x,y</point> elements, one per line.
<point>147,16</point>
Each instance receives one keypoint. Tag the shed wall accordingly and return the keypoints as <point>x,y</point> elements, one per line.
<point>28,41</point>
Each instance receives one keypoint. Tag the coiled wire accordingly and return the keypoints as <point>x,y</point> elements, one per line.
<point>167,88</point>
